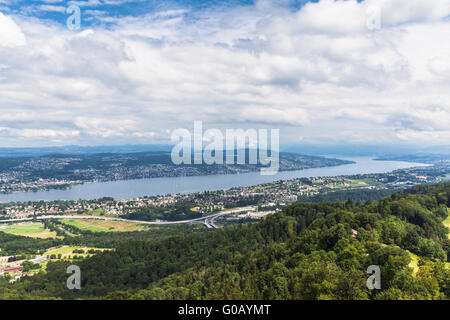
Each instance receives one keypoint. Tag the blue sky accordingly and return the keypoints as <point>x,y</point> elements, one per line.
<point>54,9</point>
<point>323,72</point>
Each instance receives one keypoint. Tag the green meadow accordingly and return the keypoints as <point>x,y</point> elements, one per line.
<point>28,229</point>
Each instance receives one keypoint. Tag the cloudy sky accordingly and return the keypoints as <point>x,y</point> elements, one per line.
<point>373,71</point>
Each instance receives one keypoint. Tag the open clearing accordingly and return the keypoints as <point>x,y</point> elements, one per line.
<point>27,229</point>
<point>67,251</point>
<point>105,225</point>
<point>446,222</point>
<point>414,264</point>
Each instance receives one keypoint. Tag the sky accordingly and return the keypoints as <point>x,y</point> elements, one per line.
<point>323,72</point>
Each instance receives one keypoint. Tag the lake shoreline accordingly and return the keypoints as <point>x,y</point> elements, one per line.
<point>135,188</point>
<point>71,185</point>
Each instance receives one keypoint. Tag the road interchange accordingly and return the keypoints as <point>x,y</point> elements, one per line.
<point>208,221</point>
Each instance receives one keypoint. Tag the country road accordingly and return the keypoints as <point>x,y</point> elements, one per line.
<point>208,221</point>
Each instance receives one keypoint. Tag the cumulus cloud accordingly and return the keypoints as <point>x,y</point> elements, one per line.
<point>10,33</point>
<point>317,73</point>
<point>403,11</point>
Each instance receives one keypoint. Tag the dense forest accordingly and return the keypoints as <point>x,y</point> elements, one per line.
<point>307,251</point>
<point>181,211</point>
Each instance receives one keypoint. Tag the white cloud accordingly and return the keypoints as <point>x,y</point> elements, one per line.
<point>404,11</point>
<point>85,3</point>
<point>39,133</point>
<point>319,74</point>
<point>10,33</point>
<point>267,115</point>
<point>31,133</point>
<point>51,8</point>
<point>423,136</point>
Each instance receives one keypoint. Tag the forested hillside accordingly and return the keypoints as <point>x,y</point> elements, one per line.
<point>308,251</point>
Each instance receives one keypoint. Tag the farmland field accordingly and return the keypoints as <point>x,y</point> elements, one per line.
<point>33,230</point>
<point>105,225</point>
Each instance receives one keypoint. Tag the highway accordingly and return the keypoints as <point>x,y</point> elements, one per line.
<point>208,221</point>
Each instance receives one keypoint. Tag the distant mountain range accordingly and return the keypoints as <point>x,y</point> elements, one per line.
<point>359,150</point>
<point>347,150</point>
<point>420,157</point>
<point>81,150</point>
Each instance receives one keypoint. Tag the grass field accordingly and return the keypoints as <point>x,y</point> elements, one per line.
<point>357,182</point>
<point>105,225</point>
<point>446,222</point>
<point>352,183</point>
<point>414,262</point>
<point>27,229</point>
<point>96,212</point>
<point>66,252</point>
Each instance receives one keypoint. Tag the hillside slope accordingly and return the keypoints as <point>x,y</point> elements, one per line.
<point>308,251</point>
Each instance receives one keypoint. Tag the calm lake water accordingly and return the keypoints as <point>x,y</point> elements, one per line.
<point>127,189</point>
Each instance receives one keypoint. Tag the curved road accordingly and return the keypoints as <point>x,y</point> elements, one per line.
<point>208,221</point>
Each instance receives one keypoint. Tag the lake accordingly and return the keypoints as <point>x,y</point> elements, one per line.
<point>127,189</point>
